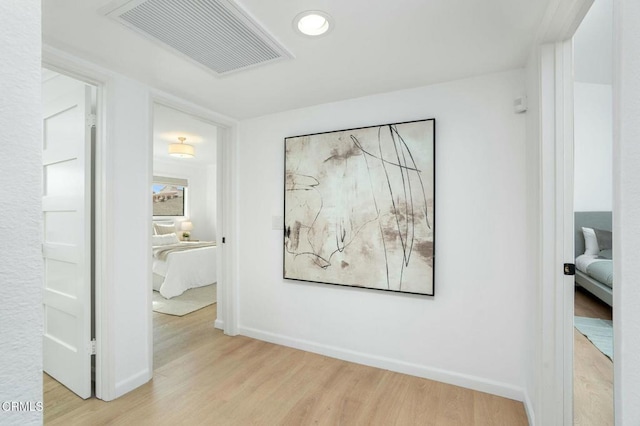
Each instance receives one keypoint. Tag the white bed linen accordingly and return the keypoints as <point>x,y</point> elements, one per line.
<point>584,260</point>
<point>184,270</point>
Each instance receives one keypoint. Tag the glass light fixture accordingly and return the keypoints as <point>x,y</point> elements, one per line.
<point>313,23</point>
<point>181,150</point>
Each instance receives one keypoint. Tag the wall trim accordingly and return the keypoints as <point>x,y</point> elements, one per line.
<point>561,19</point>
<point>450,377</point>
<point>219,324</point>
<point>528,408</point>
<point>131,383</point>
<point>226,194</point>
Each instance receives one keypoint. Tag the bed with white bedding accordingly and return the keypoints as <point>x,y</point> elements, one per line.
<point>594,265</point>
<point>181,265</point>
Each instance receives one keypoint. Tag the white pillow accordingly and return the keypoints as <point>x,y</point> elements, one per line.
<point>590,241</point>
<point>162,229</point>
<point>164,240</point>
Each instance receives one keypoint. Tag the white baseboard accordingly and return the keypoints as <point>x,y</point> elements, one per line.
<point>219,324</point>
<point>528,408</point>
<point>131,383</point>
<point>450,377</point>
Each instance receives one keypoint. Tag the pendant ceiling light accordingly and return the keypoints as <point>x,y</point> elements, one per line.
<point>181,150</point>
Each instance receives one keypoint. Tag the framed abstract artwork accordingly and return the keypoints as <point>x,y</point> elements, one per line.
<point>359,207</point>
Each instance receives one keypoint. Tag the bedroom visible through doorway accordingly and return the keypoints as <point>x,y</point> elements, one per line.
<point>184,226</point>
<point>593,201</point>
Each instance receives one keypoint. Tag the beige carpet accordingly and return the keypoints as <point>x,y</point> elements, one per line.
<point>187,302</point>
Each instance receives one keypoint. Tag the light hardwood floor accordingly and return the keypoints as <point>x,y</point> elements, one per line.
<point>202,376</point>
<point>593,371</point>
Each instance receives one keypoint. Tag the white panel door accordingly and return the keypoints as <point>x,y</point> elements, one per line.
<point>66,208</point>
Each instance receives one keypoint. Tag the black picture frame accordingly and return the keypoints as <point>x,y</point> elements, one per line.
<point>360,207</point>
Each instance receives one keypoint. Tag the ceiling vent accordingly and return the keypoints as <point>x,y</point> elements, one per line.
<point>216,34</point>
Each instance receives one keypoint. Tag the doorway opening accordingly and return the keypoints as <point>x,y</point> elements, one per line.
<point>185,217</point>
<point>593,202</point>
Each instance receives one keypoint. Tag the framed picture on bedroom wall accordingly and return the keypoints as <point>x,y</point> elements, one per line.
<point>359,207</point>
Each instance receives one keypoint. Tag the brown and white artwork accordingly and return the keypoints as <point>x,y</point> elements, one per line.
<point>359,207</point>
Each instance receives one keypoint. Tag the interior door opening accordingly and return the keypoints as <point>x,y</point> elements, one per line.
<point>593,203</point>
<point>69,139</point>
<point>185,255</point>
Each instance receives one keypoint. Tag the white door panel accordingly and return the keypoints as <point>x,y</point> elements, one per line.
<point>66,208</point>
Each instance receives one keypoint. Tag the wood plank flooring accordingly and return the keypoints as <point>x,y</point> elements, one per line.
<point>202,376</point>
<point>593,371</point>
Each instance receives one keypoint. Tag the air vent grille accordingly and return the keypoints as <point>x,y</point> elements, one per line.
<point>214,33</point>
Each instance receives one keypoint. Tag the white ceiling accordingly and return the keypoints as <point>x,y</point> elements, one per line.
<point>593,45</point>
<point>376,46</point>
<point>169,125</point>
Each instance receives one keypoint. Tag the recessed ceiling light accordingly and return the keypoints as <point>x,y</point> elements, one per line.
<point>313,23</point>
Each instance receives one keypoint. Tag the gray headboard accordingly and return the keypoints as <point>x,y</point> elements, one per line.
<point>599,220</point>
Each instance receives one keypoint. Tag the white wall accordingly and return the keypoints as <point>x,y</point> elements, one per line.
<point>201,208</point>
<point>626,212</point>
<point>592,43</point>
<point>128,157</point>
<point>472,332</point>
<point>593,131</point>
<point>593,136</point>
<point>20,215</point>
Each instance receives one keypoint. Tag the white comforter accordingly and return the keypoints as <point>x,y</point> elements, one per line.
<point>184,270</point>
<point>584,260</point>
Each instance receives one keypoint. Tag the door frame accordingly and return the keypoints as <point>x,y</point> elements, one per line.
<point>554,49</point>
<point>556,389</point>
<point>558,223</point>
<point>226,193</point>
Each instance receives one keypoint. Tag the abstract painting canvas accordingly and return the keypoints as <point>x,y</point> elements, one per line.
<point>359,207</point>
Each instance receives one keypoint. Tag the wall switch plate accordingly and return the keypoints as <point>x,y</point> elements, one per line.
<point>276,223</point>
